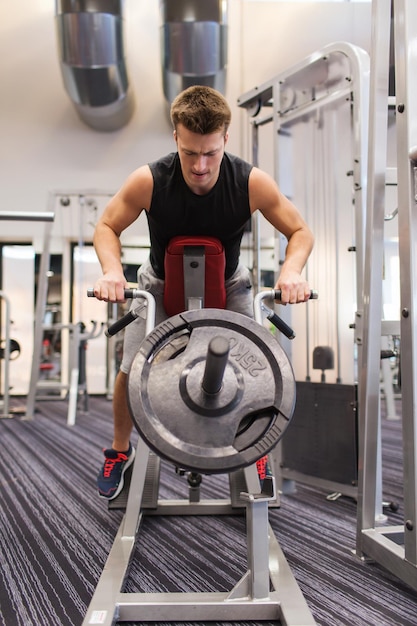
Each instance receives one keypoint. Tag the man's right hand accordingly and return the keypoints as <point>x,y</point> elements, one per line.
<point>110,287</point>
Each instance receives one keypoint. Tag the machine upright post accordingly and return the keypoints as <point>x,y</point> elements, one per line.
<point>393,547</point>
<point>7,322</point>
<point>370,332</point>
<point>405,29</point>
<point>39,319</point>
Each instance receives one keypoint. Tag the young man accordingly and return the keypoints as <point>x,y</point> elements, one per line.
<point>198,190</point>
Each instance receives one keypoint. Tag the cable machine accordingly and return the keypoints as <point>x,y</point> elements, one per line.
<point>70,223</point>
<point>298,103</point>
<point>48,219</point>
<point>318,112</point>
<point>393,547</point>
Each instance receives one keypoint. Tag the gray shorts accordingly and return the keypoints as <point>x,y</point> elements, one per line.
<point>239,298</point>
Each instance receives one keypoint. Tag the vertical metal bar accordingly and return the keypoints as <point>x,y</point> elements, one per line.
<point>258,547</point>
<point>256,235</point>
<point>194,272</point>
<point>405,34</point>
<point>6,355</point>
<point>39,318</point>
<point>132,517</point>
<point>280,243</point>
<point>74,373</point>
<point>131,520</point>
<point>360,112</point>
<point>369,365</point>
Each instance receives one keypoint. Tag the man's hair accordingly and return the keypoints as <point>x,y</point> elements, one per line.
<point>201,110</point>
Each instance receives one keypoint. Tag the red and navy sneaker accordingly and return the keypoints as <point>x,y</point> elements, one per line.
<point>110,479</point>
<point>263,467</point>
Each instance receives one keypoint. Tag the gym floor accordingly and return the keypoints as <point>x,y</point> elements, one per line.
<point>55,533</point>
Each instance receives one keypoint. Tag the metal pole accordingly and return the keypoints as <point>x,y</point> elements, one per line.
<point>39,315</point>
<point>256,236</point>
<point>369,469</point>
<point>405,31</point>
<point>26,216</point>
<point>6,355</point>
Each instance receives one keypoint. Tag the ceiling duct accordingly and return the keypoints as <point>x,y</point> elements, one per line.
<point>194,44</point>
<point>90,44</point>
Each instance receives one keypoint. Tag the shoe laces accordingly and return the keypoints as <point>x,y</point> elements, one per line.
<point>110,463</point>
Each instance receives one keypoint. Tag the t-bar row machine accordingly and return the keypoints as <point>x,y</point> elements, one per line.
<point>210,391</point>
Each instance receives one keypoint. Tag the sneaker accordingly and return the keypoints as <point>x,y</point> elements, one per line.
<point>110,480</point>
<point>263,467</point>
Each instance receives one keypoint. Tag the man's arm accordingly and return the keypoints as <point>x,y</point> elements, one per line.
<point>123,209</point>
<point>266,197</point>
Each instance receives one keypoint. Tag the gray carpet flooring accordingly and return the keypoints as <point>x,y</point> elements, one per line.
<point>55,533</point>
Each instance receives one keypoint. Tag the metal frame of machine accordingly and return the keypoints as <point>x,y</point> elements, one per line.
<point>251,599</point>
<point>48,219</point>
<point>325,80</point>
<point>394,547</point>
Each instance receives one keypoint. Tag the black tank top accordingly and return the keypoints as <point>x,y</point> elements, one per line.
<point>176,210</point>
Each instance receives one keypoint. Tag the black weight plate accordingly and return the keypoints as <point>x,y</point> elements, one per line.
<point>211,433</point>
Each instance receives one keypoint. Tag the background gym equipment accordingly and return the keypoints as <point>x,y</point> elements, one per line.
<point>5,354</point>
<point>12,350</point>
<point>312,120</point>
<point>211,391</point>
<point>9,351</point>
<point>321,447</point>
<point>76,391</point>
<point>72,215</point>
<point>304,105</point>
<point>394,547</point>
<point>48,219</point>
<point>323,359</point>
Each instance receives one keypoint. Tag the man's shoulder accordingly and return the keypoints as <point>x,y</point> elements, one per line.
<point>165,162</point>
<point>236,163</point>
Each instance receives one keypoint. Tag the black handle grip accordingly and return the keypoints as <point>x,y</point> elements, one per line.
<point>120,324</point>
<point>313,294</point>
<point>129,293</point>
<point>387,354</point>
<point>281,325</point>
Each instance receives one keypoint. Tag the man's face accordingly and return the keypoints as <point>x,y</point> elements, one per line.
<point>200,157</point>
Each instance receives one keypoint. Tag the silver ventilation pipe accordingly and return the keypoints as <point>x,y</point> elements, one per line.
<point>194,44</point>
<point>90,44</point>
